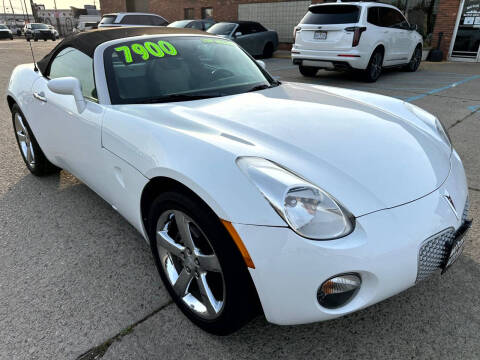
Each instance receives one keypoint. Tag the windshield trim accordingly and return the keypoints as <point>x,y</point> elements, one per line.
<point>103,91</point>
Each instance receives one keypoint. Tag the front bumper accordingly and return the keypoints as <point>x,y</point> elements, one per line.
<point>383,249</point>
<point>5,35</point>
<point>40,35</point>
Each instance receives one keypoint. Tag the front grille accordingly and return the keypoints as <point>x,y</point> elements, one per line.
<point>433,252</point>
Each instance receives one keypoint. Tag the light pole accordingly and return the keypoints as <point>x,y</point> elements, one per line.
<point>57,17</point>
<point>13,12</point>
<point>4,12</point>
<point>26,10</point>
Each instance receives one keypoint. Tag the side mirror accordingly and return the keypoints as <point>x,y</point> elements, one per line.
<point>262,64</point>
<point>69,86</point>
<point>238,33</point>
<point>413,27</point>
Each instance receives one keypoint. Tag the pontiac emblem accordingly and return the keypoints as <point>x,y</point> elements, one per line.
<point>450,202</point>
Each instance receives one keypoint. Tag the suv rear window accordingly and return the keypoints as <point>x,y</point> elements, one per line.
<point>332,14</point>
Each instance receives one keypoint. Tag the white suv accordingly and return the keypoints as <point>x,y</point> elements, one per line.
<point>358,35</point>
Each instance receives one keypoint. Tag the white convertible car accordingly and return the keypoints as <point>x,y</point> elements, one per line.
<point>307,202</point>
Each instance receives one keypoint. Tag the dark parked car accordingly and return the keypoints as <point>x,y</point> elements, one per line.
<point>193,24</point>
<point>5,32</point>
<point>37,31</point>
<point>250,35</point>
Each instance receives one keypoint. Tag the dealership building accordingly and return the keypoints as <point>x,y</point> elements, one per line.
<point>457,21</point>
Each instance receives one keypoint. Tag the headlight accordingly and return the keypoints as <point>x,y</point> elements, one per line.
<point>430,120</point>
<point>307,209</point>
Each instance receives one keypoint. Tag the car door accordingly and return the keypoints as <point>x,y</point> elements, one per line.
<point>71,139</point>
<point>391,21</point>
<point>403,36</point>
<point>377,33</point>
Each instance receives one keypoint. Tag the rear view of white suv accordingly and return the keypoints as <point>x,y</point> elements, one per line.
<point>358,35</point>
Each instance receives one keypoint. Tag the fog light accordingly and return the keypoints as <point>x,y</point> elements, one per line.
<point>338,290</point>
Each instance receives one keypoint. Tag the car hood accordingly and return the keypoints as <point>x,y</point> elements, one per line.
<point>368,151</point>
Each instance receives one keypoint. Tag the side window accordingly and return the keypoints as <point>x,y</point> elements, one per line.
<point>245,29</point>
<point>71,62</point>
<point>207,25</point>
<point>256,28</point>
<point>392,18</point>
<point>136,20</point>
<point>158,21</point>
<point>195,25</point>
<point>400,21</point>
<point>372,17</point>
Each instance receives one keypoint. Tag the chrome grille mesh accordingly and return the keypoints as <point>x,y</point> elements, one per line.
<point>433,252</point>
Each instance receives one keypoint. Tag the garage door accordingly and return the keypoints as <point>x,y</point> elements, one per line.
<point>279,16</point>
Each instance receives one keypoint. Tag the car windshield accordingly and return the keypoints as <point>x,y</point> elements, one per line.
<point>221,29</point>
<point>168,69</point>
<point>3,27</point>
<point>332,14</point>
<point>180,24</point>
<point>108,19</point>
<point>39,26</point>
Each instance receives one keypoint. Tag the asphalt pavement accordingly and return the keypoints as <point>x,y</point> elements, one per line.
<point>77,281</point>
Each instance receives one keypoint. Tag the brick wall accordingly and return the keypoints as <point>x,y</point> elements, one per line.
<point>445,22</point>
<point>223,10</point>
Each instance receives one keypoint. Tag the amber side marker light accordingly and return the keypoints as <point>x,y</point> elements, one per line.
<point>240,245</point>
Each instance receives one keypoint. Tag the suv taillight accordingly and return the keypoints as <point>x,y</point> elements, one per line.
<point>295,30</point>
<point>357,32</point>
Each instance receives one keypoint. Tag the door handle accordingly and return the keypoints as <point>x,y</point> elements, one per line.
<point>40,96</point>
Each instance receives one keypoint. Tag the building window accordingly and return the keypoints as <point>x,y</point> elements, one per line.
<point>189,13</point>
<point>207,13</point>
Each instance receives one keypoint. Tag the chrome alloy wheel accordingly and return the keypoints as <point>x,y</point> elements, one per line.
<point>24,140</point>
<point>190,264</point>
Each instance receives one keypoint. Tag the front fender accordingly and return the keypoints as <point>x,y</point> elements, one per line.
<point>201,159</point>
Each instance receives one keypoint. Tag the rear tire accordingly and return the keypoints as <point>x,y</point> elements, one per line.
<point>230,286</point>
<point>31,152</point>
<point>268,51</point>
<point>308,71</point>
<point>374,68</point>
<point>415,61</point>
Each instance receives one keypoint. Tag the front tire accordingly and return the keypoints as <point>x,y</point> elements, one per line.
<point>268,51</point>
<point>199,264</point>
<point>308,71</point>
<point>374,68</point>
<point>31,152</point>
<point>415,61</point>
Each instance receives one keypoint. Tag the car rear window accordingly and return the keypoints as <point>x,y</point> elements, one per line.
<point>109,19</point>
<point>332,14</point>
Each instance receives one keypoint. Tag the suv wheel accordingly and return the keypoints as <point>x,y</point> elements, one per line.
<point>374,68</point>
<point>308,71</point>
<point>415,60</point>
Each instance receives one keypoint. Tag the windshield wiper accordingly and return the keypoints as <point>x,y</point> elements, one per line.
<point>264,86</point>
<point>177,97</point>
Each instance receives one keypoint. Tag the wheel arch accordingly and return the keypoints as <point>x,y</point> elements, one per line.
<point>161,184</point>
<point>11,101</point>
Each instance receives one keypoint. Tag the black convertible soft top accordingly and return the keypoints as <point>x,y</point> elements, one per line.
<point>88,41</point>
